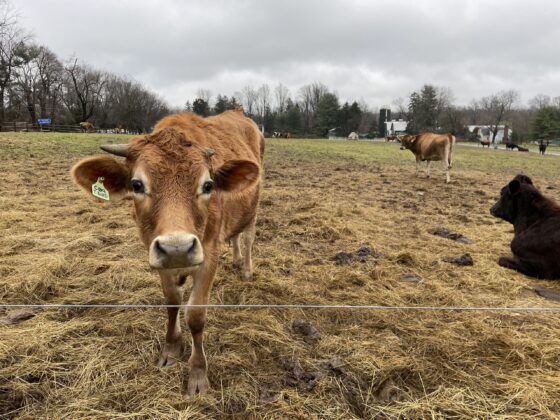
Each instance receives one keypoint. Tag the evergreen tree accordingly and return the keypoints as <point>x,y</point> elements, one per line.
<point>201,107</point>
<point>293,118</point>
<point>222,104</point>
<point>327,114</point>
<point>547,123</point>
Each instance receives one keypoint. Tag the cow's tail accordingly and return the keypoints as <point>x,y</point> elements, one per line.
<point>451,150</point>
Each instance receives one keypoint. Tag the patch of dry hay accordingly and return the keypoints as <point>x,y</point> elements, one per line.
<point>59,247</point>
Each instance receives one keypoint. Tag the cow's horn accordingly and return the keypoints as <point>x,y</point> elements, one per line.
<point>116,149</point>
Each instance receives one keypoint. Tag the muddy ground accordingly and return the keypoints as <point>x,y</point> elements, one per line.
<point>340,223</point>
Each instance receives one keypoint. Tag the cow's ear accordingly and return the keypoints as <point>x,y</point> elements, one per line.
<point>236,175</point>
<point>115,175</point>
<point>413,138</point>
<point>514,186</point>
<point>524,179</point>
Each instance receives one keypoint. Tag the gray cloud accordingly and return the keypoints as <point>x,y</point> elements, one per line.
<point>371,50</point>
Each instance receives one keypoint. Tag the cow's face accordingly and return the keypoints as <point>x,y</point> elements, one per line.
<point>175,185</point>
<point>511,199</point>
<point>406,141</point>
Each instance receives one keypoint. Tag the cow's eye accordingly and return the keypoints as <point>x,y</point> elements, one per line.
<point>137,186</point>
<point>207,187</point>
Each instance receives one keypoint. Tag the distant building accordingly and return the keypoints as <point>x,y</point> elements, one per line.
<point>334,134</point>
<point>395,127</point>
<point>483,132</point>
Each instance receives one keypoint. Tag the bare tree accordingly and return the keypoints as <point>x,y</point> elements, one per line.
<point>12,39</point>
<point>318,90</point>
<point>497,107</point>
<point>401,108</point>
<point>26,77</point>
<point>249,97</point>
<point>84,90</point>
<point>281,94</point>
<point>539,101</point>
<point>474,112</point>
<point>204,94</point>
<point>263,101</point>
<point>50,79</point>
<point>306,99</point>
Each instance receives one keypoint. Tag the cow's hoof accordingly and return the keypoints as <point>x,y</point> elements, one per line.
<point>237,265</point>
<point>170,354</point>
<point>247,276</point>
<point>198,382</point>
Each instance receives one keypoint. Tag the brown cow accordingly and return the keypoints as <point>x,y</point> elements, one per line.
<point>429,147</point>
<point>391,138</point>
<point>87,127</point>
<point>196,183</point>
<point>485,143</point>
<point>536,224</point>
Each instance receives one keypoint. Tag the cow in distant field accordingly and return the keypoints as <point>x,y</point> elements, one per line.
<point>543,144</point>
<point>485,143</point>
<point>87,127</point>
<point>511,146</point>
<point>391,138</point>
<point>522,149</point>
<point>195,183</point>
<point>536,223</point>
<point>353,136</point>
<point>429,147</point>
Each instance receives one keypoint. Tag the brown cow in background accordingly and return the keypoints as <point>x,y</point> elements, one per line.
<point>196,184</point>
<point>87,127</point>
<point>429,147</point>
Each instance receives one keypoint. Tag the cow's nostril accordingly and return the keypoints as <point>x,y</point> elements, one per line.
<point>193,246</point>
<point>159,249</point>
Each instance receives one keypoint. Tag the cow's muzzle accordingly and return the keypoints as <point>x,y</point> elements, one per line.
<point>176,250</point>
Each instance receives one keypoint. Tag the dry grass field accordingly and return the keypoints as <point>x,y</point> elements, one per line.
<point>320,198</point>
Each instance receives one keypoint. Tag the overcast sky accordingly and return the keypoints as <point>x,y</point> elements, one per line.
<point>371,50</point>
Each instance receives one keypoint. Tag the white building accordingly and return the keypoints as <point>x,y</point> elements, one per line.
<point>483,132</point>
<point>395,127</point>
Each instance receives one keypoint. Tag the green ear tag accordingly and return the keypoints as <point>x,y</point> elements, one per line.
<point>99,190</point>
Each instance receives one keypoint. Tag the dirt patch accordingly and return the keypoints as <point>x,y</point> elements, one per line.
<point>297,377</point>
<point>307,330</point>
<point>462,260</point>
<point>454,236</point>
<point>361,255</point>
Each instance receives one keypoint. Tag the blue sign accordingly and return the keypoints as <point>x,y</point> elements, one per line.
<point>44,120</point>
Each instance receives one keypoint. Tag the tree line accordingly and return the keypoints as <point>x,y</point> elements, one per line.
<point>431,108</point>
<point>36,83</point>
<point>316,111</point>
<point>311,113</point>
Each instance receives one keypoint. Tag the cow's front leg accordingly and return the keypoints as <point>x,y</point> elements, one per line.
<point>196,319</point>
<point>428,164</point>
<point>248,239</point>
<point>237,257</point>
<point>418,161</point>
<point>173,291</point>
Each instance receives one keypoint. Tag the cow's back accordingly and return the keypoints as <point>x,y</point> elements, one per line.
<point>232,135</point>
<point>431,146</point>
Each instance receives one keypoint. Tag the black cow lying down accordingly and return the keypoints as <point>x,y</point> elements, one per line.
<point>536,222</point>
